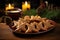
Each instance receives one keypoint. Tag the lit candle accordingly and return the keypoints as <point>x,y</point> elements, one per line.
<point>25,6</point>
<point>9,6</point>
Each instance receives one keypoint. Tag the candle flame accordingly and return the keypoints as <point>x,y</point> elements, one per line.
<point>9,6</point>
<point>26,3</point>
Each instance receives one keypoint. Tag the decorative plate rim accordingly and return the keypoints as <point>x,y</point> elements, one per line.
<point>34,33</point>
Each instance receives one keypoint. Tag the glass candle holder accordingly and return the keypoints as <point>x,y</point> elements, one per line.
<point>14,13</point>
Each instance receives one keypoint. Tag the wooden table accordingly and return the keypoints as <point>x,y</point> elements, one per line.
<point>6,34</point>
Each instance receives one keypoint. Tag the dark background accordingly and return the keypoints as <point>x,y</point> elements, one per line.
<point>34,3</point>
<point>18,4</point>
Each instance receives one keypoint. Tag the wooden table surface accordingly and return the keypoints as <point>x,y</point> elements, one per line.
<point>6,34</point>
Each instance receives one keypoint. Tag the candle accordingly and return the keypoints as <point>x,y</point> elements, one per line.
<point>25,6</point>
<point>46,3</point>
<point>9,6</point>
